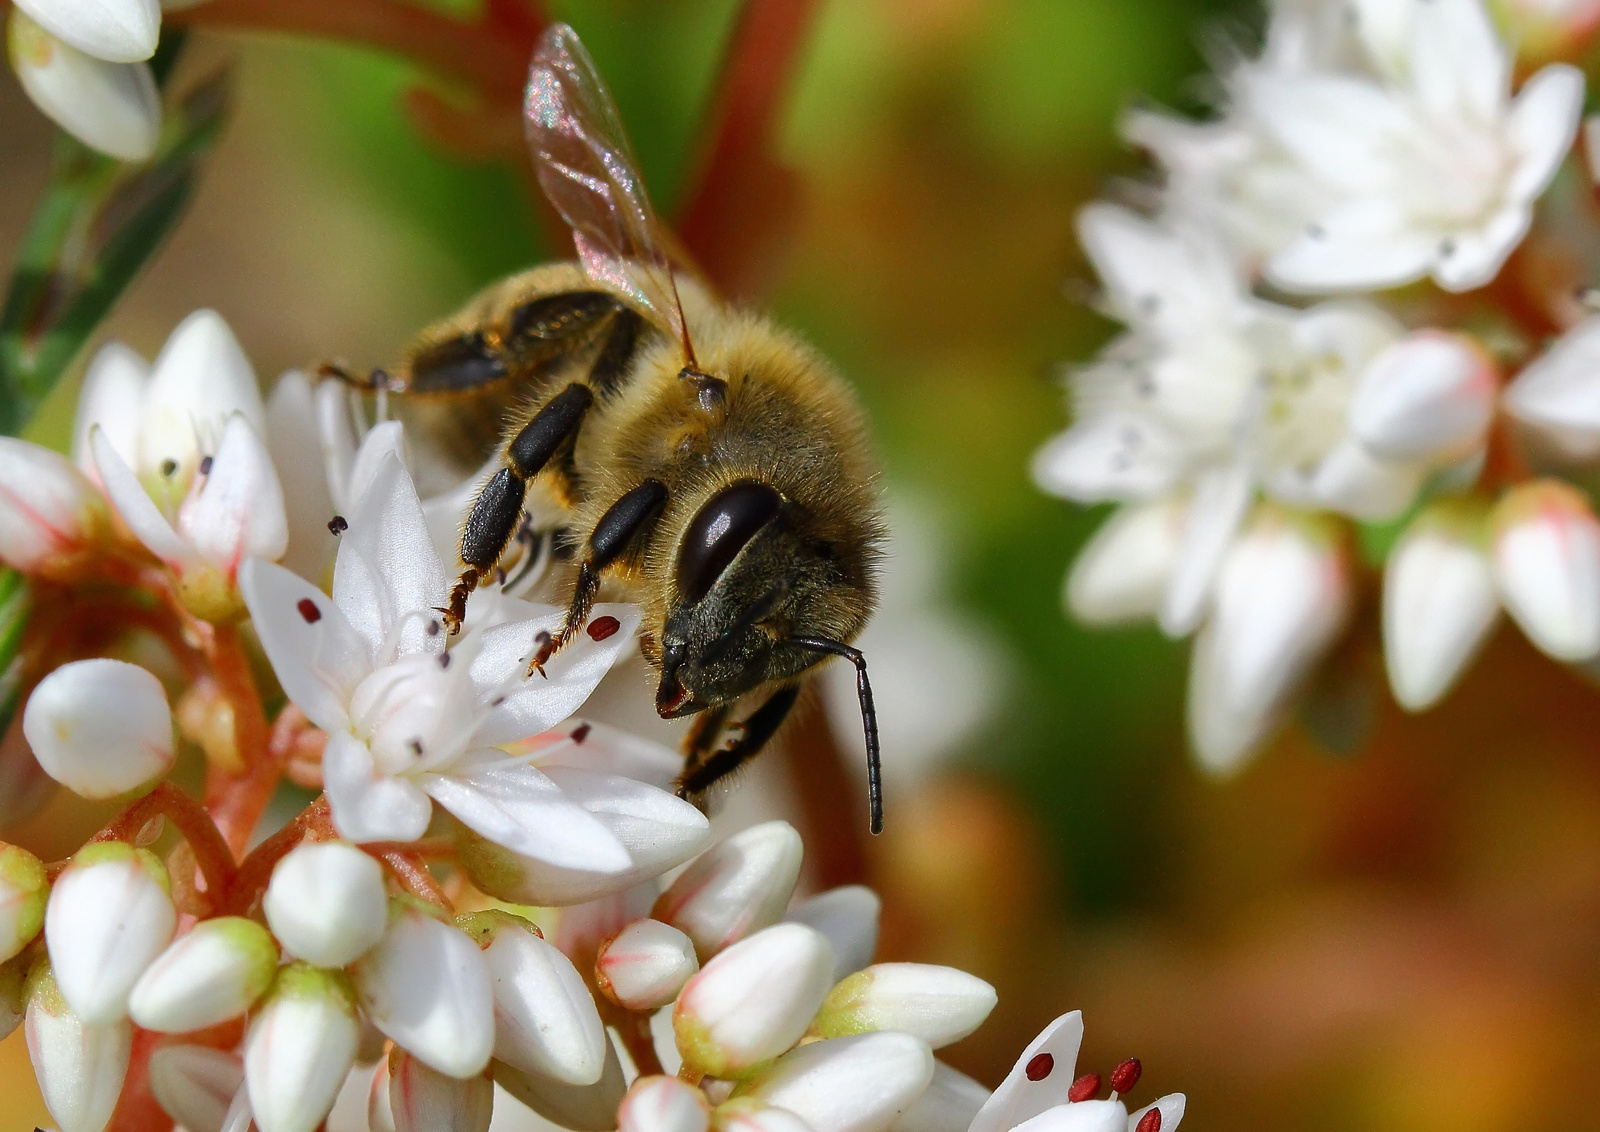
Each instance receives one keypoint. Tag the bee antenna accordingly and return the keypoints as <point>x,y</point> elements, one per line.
<point>869,721</point>
<point>683,323</point>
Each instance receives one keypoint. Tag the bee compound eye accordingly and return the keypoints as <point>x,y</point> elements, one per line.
<point>721,528</point>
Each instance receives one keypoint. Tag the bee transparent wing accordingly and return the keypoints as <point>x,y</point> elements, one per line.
<point>588,171</point>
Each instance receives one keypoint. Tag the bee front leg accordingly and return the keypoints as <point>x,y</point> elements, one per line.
<point>617,532</point>
<point>759,728</point>
<point>497,511</point>
<point>702,737</point>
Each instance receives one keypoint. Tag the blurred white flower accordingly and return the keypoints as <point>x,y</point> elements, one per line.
<point>410,723</point>
<point>52,520</point>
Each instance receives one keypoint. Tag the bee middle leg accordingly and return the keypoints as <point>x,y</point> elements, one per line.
<point>497,511</point>
<point>699,775</point>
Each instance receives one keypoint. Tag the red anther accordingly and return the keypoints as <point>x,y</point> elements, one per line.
<point>308,611</point>
<point>581,733</point>
<point>1149,1122</point>
<point>1039,1067</point>
<point>1084,1088</point>
<point>1125,1076</point>
<point>602,627</point>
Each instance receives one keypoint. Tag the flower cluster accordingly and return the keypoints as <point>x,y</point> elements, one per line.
<point>1334,357</point>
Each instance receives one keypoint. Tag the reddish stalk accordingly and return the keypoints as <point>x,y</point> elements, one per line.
<point>407,868</point>
<point>237,801</point>
<point>211,852</point>
<point>634,1029</point>
<point>256,869</point>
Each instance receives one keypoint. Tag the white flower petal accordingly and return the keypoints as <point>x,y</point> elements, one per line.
<point>1439,603</point>
<point>603,749</point>
<point>122,31</point>
<point>1153,274</point>
<point>940,1005</point>
<point>1352,481</point>
<point>1122,573</point>
<point>580,1108</point>
<point>200,379</point>
<point>318,658</point>
<point>1216,509</point>
<point>1083,1116</point>
<point>195,1085</point>
<point>1470,259</point>
<point>1108,456</point>
<point>1367,244</point>
<point>113,398</point>
<point>297,457</point>
<point>658,830</point>
<point>1547,562</point>
<point>950,1103</point>
<point>368,805</point>
<point>1427,397</point>
<point>133,503</point>
<point>1171,1106</point>
<point>238,511</point>
<point>522,706</point>
<point>848,916</point>
<point>422,1099</point>
<point>1342,128</point>
<point>857,1084</point>
<point>387,580</point>
<point>1458,67</point>
<point>1561,389</point>
<point>1542,126</point>
<point>100,727</point>
<point>50,514</point>
<point>1052,1058</point>
<point>738,886</point>
<point>112,107</point>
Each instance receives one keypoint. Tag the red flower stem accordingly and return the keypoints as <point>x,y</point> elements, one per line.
<point>211,852</point>
<point>256,869</point>
<point>236,801</point>
<point>406,866</point>
<point>634,1028</point>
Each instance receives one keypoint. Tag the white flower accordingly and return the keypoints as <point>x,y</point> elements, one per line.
<point>326,903</point>
<point>1038,1092</point>
<point>195,1084</point>
<point>100,727</point>
<point>52,520</point>
<point>644,966</point>
<point>212,973</point>
<point>426,986</point>
<point>857,1084</point>
<point>23,892</point>
<point>80,1067</point>
<point>109,915</point>
<point>940,1005</point>
<point>848,916</point>
<point>110,106</point>
<point>301,1043</point>
<point>737,887</point>
<point>1558,395</point>
<point>409,723</point>
<point>753,1000</point>
<point>1547,562</point>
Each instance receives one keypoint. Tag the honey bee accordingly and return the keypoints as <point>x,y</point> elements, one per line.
<point>717,468</point>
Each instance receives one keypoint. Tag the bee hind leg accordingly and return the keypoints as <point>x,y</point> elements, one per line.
<point>699,775</point>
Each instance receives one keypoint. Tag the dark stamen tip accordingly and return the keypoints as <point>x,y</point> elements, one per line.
<point>1126,1075</point>
<point>337,525</point>
<point>169,467</point>
<point>1149,1122</point>
<point>308,610</point>
<point>579,734</point>
<point>205,465</point>
<point>1084,1088</point>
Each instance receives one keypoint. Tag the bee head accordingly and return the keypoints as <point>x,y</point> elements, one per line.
<point>752,573</point>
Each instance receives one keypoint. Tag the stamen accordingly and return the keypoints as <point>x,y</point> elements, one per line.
<point>1126,1075</point>
<point>1084,1088</point>
<point>205,465</point>
<point>581,733</point>
<point>337,525</point>
<point>169,467</point>
<point>1040,1066</point>
<point>308,610</point>
<point>1149,1122</point>
<point>602,627</point>
<point>444,659</point>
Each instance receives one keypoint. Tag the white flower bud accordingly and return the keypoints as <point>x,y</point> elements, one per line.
<point>948,1104</point>
<point>1427,397</point>
<point>326,903</point>
<point>848,916</point>
<point>51,517</point>
<point>301,1044</point>
<point>738,886</point>
<point>1123,571</point>
<point>753,1000</point>
<point>100,727</point>
<point>580,1108</point>
<point>1547,561</point>
<point>858,1084</point>
<point>24,888</point>
<point>424,1100</point>
<point>122,31</point>
<point>545,1020</point>
<point>195,1084</point>
<point>110,914</point>
<point>663,1104</point>
<point>645,965</point>
<point>426,986</point>
<point>1439,603</point>
<point>80,1068</point>
<point>940,1005</point>
<point>215,972</point>
<point>112,107</point>
<point>750,1115</point>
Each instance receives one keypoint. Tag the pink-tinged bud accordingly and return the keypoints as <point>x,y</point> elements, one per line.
<point>301,1044</point>
<point>753,1000</point>
<point>580,1108</point>
<point>1547,561</point>
<point>645,965</point>
<point>545,1021</point>
<point>940,1005</point>
<point>426,986</point>
<point>24,889</point>
<point>948,1104</point>
<point>738,886</point>
<point>195,1084</point>
<point>858,1084</point>
<point>80,1068</point>
<point>747,1114</point>
<point>52,520</point>
<point>1426,398</point>
<point>215,972</point>
<point>1082,1116</point>
<point>1439,603</point>
<point>424,1100</point>
<point>100,727</point>
<point>663,1104</point>
<point>1126,1075</point>
<point>848,916</point>
<point>326,903</point>
<point>110,914</point>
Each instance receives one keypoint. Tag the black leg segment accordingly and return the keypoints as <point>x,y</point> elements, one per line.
<point>551,427</point>
<point>759,728</point>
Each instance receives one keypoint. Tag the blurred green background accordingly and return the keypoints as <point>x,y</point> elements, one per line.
<point>1403,936</point>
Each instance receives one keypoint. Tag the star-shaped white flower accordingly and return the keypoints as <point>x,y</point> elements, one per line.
<point>410,723</point>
